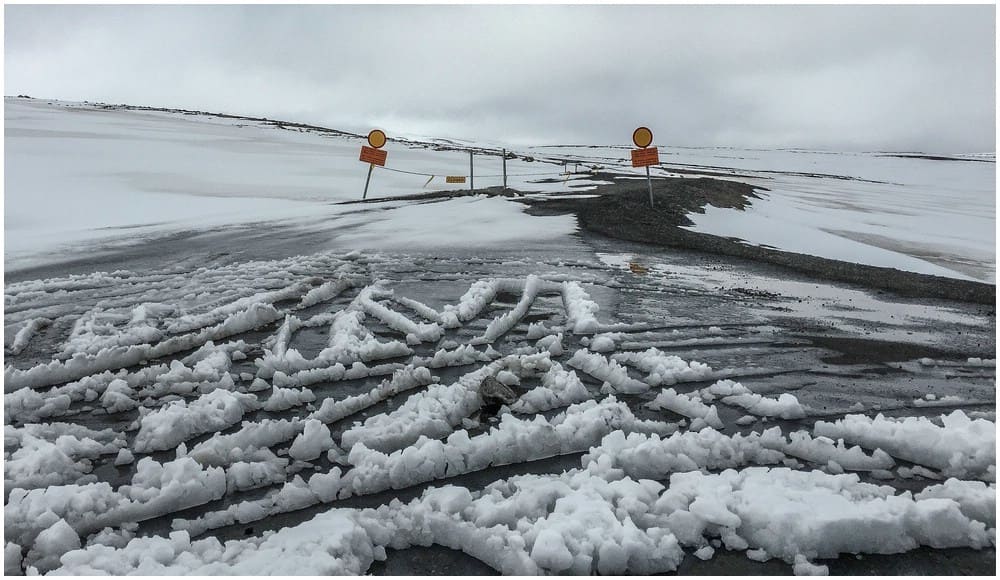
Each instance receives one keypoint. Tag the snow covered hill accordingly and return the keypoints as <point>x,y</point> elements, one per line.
<point>81,178</point>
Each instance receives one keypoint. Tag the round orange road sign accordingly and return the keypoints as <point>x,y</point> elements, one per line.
<point>376,138</point>
<point>642,137</point>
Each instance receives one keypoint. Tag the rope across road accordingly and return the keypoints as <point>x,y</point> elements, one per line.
<point>477,175</point>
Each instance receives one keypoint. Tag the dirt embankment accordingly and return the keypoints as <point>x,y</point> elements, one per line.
<point>622,211</point>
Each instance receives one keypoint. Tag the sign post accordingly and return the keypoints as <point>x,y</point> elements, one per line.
<point>644,157</point>
<point>373,155</point>
<point>472,177</point>
<point>504,170</point>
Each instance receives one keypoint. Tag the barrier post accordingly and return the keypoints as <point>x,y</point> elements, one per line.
<point>370,167</point>
<point>650,184</point>
<point>504,169</point>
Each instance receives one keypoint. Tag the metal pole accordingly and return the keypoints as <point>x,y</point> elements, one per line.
<point>505,170</point>
<point>472,179</point>
<point>370,167</point>
<point>650,183</point>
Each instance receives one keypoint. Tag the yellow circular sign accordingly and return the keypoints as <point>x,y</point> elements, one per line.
<point>376,138</point>
<point>642,137</point>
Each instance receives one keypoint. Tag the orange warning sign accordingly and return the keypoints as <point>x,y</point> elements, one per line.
<point>637,268</point>
<point>374,156</point>
<point>454,179</point>
<point>645,157</point>
<point>642,137</point>
<point>376,138</point>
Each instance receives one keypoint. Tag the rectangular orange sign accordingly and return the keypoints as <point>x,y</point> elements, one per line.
<point>454,179</point>
<point>372,155</point>
<point>644,157</point>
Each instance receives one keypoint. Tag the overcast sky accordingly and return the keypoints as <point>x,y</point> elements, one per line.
<point>834,77</point>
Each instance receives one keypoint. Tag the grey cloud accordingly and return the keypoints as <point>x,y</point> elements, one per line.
<point>855,77</point>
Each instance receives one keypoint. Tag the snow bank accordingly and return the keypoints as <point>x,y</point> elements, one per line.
<point>503,324</point>
<point>822,450</point>
<point>415,333</point>
<point>245,475</point>
<point>284,399</point>
<point>512,441</point>
<point>189,322</point>
<point>82,365</point>
<point>785,406</point>
<point>331,544</point>
<point>475,299</point>
<point>222,450</point>
<point>648,456</point>
<point>703,415</point>
<point>178,421</point>
<point>402,380</point>
<point>39,463</point>
<point>117,398</point>
<point>960,447</point>
<point>156,489</point>
<point>26,333</point>
<point>581,311</point>
<point>312,442</point>
<point>324,292</point>
<point>796,514</point>
<point>55,453</point>
<point>350,342</point>
<point>664,369</point>
<point>459,356</point>
<point>559,388</point>
<point>976,499</point>
<point>606,370</point>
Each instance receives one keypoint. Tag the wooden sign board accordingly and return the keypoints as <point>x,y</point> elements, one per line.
<point>645,157</point>
<point>454,179</point>
<point>373,156</point>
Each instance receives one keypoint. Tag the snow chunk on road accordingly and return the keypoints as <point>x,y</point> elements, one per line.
<point>961,447</point>
<point>785,406</point>
<point>178,421</point>
<point>689,407</point>
<point>792,514</point>
<point>475,299</point>
<point>284,399</point>
<point>610,371</point>
<point>312,442</point>
<point>581,311</point>
<point>333,544</point>
<point>976,499</point>
<point>52,543</point>
<point>117,398</point>
<point>664,369</point>
<point>559,388</point>
<point>823,450</point>
<point>649,456</point>
<point>223,450</point>
<point>25,334</point>
<point>503,324</point>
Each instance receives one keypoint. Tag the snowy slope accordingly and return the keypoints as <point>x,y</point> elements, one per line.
<point>933,216</point>
<point>79,173</point>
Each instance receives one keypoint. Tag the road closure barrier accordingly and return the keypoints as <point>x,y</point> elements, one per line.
<point>376,157</point>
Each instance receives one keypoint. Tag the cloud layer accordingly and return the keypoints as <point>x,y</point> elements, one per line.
<point>836,77</point>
